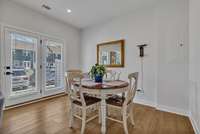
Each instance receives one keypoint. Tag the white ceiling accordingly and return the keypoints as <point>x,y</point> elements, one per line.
<point>85,12</point>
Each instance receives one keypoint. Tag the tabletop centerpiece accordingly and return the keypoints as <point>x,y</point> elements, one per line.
<point>97,72</point>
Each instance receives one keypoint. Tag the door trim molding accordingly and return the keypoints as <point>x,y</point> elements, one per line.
<point>35,101</point>
<point>30,31</point>
<point>4,26</point>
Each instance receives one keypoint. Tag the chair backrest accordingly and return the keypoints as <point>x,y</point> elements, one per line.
<point>133,81</point>
<point>73,77</point>
<point>68,86</point>
<point>75,70</point>
<point>86,75</point>
<point>110,75</point>
<point>118,74</point>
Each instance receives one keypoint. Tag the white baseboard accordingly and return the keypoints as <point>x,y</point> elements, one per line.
<point>194,124</point>
<point>172,110</point>
<point>162,107</point>
<point>144,102</point>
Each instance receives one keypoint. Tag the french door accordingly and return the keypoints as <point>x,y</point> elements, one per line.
<point>52,71</point>
<point>33,66</point>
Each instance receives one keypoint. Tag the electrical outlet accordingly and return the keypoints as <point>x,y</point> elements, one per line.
<point>141,91</point>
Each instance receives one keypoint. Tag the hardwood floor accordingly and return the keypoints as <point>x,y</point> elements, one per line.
<point>51,117</point>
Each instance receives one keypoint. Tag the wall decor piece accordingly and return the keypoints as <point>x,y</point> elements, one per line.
<point>141,47</point>
<point>141,54</point>
<point>111,54</point>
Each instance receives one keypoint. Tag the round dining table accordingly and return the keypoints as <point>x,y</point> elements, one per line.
<point>103,90</point>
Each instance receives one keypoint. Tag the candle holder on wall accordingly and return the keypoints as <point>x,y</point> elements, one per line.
<point>141,54</point>
<point>141,48</point>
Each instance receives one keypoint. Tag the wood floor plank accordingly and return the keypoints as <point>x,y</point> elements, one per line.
<point>51,117</point>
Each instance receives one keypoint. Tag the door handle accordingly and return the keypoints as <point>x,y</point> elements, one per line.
<point>9,73</point>
<point>7,67</point>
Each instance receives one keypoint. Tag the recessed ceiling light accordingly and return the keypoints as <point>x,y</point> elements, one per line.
<point>69,10</point>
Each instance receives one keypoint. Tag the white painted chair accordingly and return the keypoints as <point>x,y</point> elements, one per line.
<point>110,75</point>
<point>79,100</point>
<point>124,104</point>
<point>67,83</point>
<point>86,75</point>
<point>118,74</point>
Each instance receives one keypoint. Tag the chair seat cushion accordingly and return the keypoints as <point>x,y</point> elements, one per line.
<point>116,100</point>
<point>89,100</point>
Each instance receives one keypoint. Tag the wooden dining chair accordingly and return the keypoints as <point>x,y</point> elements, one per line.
<point>118,74</point>
<point>79,100</point>
<point>70,71</point>
<point>124,103</point>
<point>75,70</point>
<point>86,75</point>
<point>110,75</point>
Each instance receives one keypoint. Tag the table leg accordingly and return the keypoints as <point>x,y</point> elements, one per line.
<point>103,114</point>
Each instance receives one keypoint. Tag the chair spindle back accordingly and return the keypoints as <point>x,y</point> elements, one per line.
<point>73,77</point>
<point>133,80</point>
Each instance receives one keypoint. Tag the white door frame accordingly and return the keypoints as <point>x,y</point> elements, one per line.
<point>1,55</point>
<point>43,57</point>
<point>2,61</point>
<point>11,100</point>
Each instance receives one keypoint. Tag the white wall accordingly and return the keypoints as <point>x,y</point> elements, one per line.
<point>194,34</point>
<point>172,31</point>
<point>137,28</point>
<point>163,27</point>
<point>22,17</point>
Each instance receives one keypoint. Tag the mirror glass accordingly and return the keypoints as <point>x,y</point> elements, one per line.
<point>111,54</point>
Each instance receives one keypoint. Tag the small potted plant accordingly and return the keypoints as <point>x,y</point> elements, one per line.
<point>97,72</point>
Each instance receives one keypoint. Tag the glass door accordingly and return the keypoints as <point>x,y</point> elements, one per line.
<point>53,80</point>
<point>21,66</point>
<point>33,66</point>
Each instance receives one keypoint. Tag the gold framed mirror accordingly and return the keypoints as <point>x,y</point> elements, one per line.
<point>111,54</point>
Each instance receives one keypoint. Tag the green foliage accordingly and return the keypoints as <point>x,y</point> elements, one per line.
<point>97,70</point>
